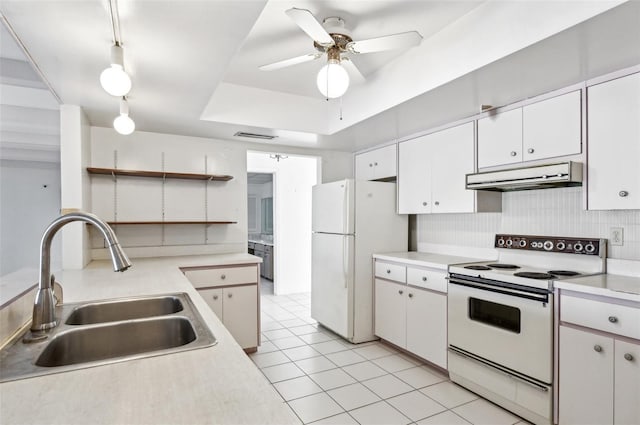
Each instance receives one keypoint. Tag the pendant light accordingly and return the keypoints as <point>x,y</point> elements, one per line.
<point>123,124</point>
<point>333,79</point>
<point>115,80</point>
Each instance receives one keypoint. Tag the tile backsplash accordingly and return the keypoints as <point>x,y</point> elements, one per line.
<point>553,212</point>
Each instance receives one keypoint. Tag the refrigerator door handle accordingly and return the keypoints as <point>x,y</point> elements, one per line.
<point>345,210</point>
<point>345,260</point>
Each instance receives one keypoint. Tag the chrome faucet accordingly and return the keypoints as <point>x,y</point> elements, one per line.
<point>44,306</point>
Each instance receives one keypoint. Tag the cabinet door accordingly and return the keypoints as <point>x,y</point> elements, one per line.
<point>614,144</point>
<point>453,149</point>
<point>414,177</point>
<point>364,166</point>
<point>390,312</point>
<point>427,325</point>
<point>241,314</point>
<point>627,383</point>
<point>384,162</point>
<point>213,297</point>
<point>552,127</point>
<point>500,139</point>
<point>586,378</point>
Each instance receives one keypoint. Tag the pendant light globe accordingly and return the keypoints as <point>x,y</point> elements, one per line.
<point>333,80</point>
<point>115,80</point>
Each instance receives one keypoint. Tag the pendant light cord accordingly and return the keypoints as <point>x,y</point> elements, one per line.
<point>115,22</point>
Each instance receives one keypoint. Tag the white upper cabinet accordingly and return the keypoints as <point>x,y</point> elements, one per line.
<point>377,164</point>
<point>500,139</point>
<point>613,129</point>
<point>546,129</point>
<point>432,170</point>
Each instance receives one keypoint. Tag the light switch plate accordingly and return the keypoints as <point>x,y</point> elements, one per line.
<point>616,237</point>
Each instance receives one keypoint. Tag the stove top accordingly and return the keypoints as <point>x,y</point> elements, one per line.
<point>537,261</point>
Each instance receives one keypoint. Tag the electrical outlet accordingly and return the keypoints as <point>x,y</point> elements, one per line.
<point>616,237</point>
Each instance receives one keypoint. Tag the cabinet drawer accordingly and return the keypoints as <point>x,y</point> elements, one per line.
<point>601,315</point>
<point>223,276</point>
<point>428,279</point>
<point>391,272</point>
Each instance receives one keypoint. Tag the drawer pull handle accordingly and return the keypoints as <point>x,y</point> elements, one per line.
<point>628,356</point>
<point>513,153</point>
<point>410,295</point>
<point>437,202</point>
<point>424,278</point>
<point>388,271</point>
<point>424,204</point>
<point>613,319</point>
<point>597,348</point>
<point>223,277</point>
<point>400,292</point>
<point>623,193</point>
<point>230,295</point>
<point>375,163</point>
<point>215,297</point>
<point>531,150</point>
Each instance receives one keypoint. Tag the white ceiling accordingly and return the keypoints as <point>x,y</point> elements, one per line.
<point>194,63</point>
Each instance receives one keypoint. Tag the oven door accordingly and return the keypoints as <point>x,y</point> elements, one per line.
<point>503,323</point>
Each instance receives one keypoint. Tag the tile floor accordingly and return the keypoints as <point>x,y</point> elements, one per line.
<point>326,380</point>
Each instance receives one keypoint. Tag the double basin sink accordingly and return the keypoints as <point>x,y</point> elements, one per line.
<point>102,332</point>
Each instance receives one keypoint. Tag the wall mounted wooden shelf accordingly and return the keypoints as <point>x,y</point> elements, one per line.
<point>157,174</point>
<point>121,223</point>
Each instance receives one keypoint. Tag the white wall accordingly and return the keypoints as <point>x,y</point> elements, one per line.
<point>29,201</point>
<point>293,179</point>
<point>552,212</point>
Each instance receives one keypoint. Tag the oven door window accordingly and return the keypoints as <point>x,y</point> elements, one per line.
<point>499,315</point>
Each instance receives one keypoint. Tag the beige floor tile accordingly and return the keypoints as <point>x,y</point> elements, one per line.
<point>449,394</point>
<point>299,353</point>
<point>419,377</point>
<point>373,351</point>
<point>483,412</point>
<point>445,418</point>
<point>332,379</point>
<point>315,364</point>
<point>393,363</point>
<point>328,347</point>
<point>277,334</point>
<point>387,386</point>
<point>315,337</point>
<point>345,358</point>
<point>289,342</point>
<point>353,396</point>
<point>297,387</point>
<point>303,329</point>
<point>416,405</point>
<point>379,413</point>
<point>263,360</point>
<point>315,407</point>
<point>363,371</point>
<point>282,372</point>
<point>341,419</point>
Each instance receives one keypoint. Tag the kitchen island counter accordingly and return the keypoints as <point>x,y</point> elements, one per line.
<point>218,384</point>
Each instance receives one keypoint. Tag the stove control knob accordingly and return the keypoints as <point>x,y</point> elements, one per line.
<point>577,247</point>
<point>590,248</point>
<point>500,242</point>
<point>548,245</point>
<point>522,243</point>
<point>509,242</point>
<point>560,246</point>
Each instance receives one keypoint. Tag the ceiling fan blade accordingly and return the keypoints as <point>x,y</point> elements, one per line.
<point>390,42</point>
<point>354,73</point>
<point>309,24</point>
<point>289,62</point>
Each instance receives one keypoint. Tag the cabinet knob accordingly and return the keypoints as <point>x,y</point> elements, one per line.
<point>530,150</point>
<point>424,278</point>
<point>223,277</point>
<point>437,202</point>
<point>410,295</point>
<point>400,292</point>
<point>623,193</point>
<point>230,295</point>
<point>215,297</point>
<point>370,165</point>
<point>375,163</point>
<point>613,319</point>
<point>628,356</point>
<point>424,204</point>
<point>513,153</point>
<point>597,348</point>
<point>388,271</point>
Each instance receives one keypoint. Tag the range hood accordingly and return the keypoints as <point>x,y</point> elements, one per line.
<point>535,177</point>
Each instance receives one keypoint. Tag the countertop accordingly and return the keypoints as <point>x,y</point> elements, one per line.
<point>262,242</point>
<point>609,285</point>
<point>425,259</point>
<point>218,384</point>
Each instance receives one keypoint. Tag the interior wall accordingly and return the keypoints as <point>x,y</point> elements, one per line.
<point>29,201</point>
<point>293,179</point>
<point>553,212</point>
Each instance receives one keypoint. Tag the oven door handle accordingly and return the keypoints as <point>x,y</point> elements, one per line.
<point>542,297</point>
<point>535,385</point>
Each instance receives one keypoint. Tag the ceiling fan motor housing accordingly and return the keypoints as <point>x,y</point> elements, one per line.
<point>341,36</point>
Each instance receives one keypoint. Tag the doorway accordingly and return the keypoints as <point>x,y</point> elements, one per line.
<point>292,177</point>
<point>260,225</point>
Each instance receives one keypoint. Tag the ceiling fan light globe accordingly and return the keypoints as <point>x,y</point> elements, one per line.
<point>124,125</point>
<point>333,80</point>
<point>115,80</point>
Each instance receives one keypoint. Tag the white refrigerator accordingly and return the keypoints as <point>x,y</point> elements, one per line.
<point>351,221</point>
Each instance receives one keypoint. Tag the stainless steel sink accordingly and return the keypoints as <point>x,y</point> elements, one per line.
<point>109,331</point>
<point>134,308</point>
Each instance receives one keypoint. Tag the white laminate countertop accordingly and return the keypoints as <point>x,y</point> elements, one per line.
<point>261,241</point>
<point>609,285</point>
<point>218,384</point>
<point>425,259</point>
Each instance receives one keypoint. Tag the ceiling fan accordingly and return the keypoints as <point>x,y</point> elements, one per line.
<point>331,37</point>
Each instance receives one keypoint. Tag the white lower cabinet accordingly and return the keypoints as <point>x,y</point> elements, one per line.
<point>410,317</point>
<point>599,372</point>
<point>233,295</point>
